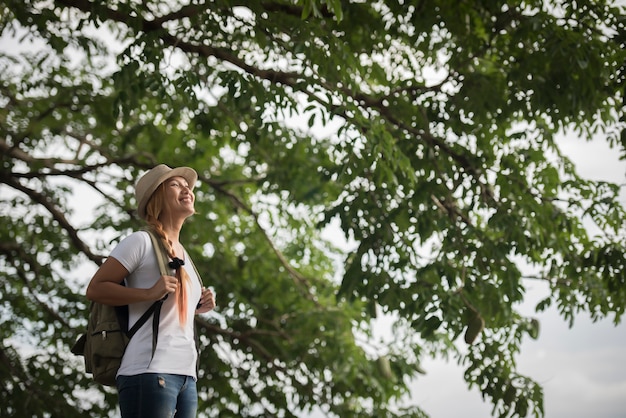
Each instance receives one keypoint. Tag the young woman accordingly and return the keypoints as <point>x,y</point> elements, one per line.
<point>160,383</point>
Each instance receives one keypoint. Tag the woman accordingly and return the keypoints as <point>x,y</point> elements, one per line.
<point>162,384</point>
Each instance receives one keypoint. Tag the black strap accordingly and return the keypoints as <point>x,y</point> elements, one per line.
<point>155,325</point>
<point>155,310</point>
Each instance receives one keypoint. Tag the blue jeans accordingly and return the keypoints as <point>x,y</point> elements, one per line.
<point>154,395</point>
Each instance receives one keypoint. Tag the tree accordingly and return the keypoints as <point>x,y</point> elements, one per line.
<point>424,130</point>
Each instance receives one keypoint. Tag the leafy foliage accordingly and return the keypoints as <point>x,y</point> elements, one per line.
<point>424,130</point>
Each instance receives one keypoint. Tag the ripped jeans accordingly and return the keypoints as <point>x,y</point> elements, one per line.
<point>156,395</point>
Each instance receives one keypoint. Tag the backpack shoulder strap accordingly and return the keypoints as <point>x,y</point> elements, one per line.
<point>161,255</point>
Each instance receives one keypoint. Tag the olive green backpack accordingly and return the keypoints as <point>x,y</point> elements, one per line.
<point>107,335</point>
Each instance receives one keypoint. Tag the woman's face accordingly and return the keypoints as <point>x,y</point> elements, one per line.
<point>179,199</point>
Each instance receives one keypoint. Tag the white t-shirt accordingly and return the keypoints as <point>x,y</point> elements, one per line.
<point>176,349</point>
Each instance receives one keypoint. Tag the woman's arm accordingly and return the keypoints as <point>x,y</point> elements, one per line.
<point>105,286</point>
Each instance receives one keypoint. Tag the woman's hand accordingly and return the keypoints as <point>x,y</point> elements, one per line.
<point>164,286</point>
<point>207,301</point>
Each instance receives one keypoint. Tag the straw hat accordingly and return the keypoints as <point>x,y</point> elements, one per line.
<point>149,182</point>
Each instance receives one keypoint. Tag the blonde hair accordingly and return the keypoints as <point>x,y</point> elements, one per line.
<point>154,208</point>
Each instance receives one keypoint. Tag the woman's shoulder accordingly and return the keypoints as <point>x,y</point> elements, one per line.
<point>140,234</point>
<point>136,242</point>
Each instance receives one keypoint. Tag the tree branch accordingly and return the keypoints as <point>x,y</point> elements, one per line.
<point>10,180</point>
